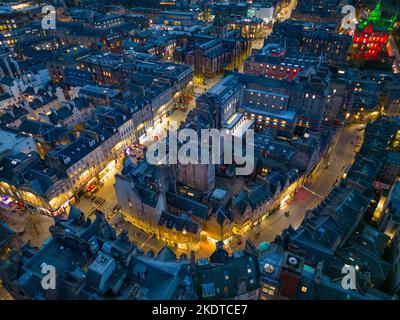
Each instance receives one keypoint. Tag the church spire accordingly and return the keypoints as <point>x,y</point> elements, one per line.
<point>376,13</point>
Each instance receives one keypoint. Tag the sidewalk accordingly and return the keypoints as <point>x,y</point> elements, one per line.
<point>14,220</point>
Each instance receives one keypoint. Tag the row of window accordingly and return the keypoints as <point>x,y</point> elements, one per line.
<point>267,95</point>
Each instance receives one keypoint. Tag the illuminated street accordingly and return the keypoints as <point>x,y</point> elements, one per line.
<point>287,11</point>
<point>199,88</point>
<point>307,197</point>
<point>279,180</point>
<point>107,191</point>
<point>322,182</point>
<point>160,128</point>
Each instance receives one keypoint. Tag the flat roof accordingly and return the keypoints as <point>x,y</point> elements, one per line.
<point>219,193</point>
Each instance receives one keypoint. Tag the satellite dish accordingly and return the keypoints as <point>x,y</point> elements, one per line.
<point>292,261</point>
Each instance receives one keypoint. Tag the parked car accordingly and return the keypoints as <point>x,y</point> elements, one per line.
<point>116,207</point>
<point>95,189</point>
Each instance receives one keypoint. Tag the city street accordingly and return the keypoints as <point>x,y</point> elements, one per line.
<point>287,11</point>
<point>114,181</point>
<point>199,88</point>
<point>308,197</point>
<point>160,128</point>
<point>107,191</point>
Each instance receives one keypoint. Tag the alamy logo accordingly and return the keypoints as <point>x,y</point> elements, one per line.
<point>49,20</point>
<point>226,148</point>
<point>349,280</point>
<point>349,20</point>
<point>49,278</point>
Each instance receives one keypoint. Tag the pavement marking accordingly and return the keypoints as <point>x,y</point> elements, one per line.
<point>313,192</point>
<point>147,240</point>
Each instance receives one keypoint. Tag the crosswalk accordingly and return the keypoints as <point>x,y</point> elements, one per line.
<point>99,201</point>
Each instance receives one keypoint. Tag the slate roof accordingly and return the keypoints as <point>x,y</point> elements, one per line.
<point>187,204</point>
<point>103,129</point>
<point>5,234</point>
<point>178,223</point>
<point>326,227</point>
<point>74,151</point>
<point>223,215</point>
<point>221,281</point>
<point>12,115</point>
<point>166,254</point>
<point>50,133</point>
<point>256,196</point>
<point>40,178</point>
<point>10,167</point>
<point>159,280</point>
<point>61,114</point>
<point>366,249</point>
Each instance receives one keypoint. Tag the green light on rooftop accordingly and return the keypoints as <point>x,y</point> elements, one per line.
<point>375,19</point>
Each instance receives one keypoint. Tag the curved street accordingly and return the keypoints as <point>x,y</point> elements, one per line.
<point>307,197</point>
<point>318,187</point>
